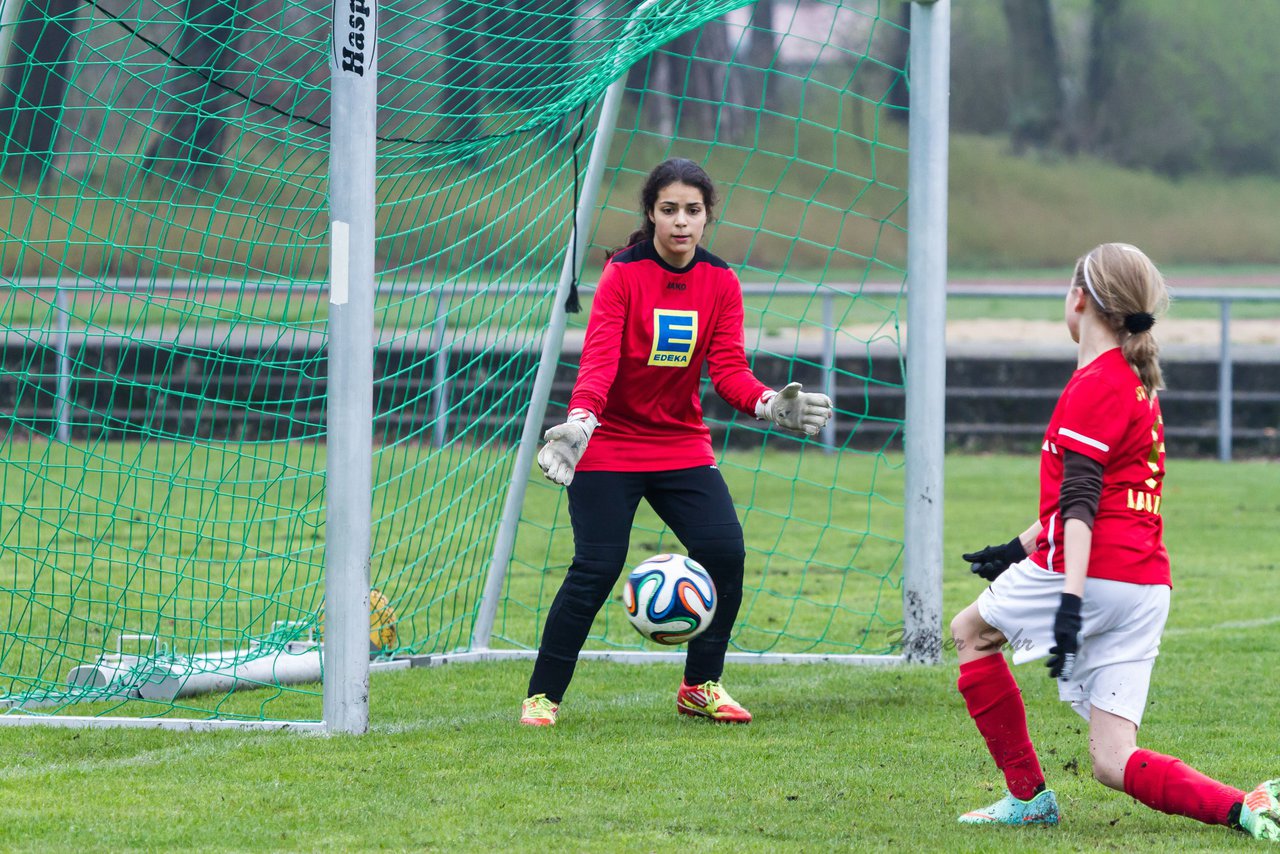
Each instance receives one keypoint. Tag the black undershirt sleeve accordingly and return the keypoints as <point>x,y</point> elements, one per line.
<point>1081,487</point>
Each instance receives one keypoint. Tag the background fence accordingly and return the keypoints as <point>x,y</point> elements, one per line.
<point>1222,401</point>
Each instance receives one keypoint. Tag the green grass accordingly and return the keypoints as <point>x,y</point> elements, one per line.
<point>782,218</point>
<point>800,201</point>
<point>1011,212</point>
<point>851,758</point>
<point>206,546</point>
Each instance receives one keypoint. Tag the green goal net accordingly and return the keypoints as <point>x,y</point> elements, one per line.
<point>164,319</point>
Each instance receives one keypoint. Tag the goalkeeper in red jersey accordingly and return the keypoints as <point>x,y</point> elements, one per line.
<point>665,307</point>
<point>1087,584</point>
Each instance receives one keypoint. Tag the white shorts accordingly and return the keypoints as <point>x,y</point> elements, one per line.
<point>1119,642</point>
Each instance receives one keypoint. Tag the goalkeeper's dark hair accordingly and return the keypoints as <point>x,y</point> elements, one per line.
<point>1129,294</point>
<point>677,170</point>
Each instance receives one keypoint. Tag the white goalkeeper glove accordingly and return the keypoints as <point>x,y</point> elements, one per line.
<point>795,409</point>
<point>565,444</point>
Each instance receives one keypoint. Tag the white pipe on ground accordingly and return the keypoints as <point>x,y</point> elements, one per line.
<point>169,678</point>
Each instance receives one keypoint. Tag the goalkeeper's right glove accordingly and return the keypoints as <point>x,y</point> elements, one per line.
<point>993,560</point>
<point>565,444</point>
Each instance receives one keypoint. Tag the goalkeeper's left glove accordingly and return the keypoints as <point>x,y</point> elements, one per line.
<point>565,445</point>
<point>795,409</point>
<point>1066,636</point>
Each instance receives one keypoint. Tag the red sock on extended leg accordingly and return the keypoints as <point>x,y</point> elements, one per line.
<point>1168,784</point>
<point>995,704</point>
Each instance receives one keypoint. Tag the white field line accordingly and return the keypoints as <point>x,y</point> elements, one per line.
<point>1259,623</point>
<point>510,713</point>
<point>192,746</point>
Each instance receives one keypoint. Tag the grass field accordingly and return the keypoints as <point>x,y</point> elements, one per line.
<point>198,548</point>
<point>848,758</point>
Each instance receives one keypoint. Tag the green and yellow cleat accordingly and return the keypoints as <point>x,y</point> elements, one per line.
<point>1042,809</point>
<point>710,700</point>
<point>538,711</point>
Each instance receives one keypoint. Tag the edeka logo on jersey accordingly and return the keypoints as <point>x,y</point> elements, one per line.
<point>674,334</point>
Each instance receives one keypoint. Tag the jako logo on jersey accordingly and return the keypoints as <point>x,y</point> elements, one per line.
<point>674,335</point>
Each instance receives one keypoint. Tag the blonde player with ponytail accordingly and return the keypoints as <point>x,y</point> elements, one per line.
<point>1087,584</point>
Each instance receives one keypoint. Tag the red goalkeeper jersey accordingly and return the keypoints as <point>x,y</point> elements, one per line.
<point>652,328</point>
<point>1105,414</point>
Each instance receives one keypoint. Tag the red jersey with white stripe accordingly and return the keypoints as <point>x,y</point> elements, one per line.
<point>1106,414</point>
<point>651,330</point>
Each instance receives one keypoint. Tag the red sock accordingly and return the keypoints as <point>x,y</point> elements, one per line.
<point>1167,784</point>
<point>995,704</point>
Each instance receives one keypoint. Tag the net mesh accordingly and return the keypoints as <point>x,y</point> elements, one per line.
<point>162,379</point>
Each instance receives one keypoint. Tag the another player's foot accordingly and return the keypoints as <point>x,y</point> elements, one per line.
<point>538,711</point>
<point>1042,809</point>
<point>710,700</point>
<point>1260,815</point>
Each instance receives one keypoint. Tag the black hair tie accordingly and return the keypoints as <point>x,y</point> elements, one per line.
<point>1139,321</point>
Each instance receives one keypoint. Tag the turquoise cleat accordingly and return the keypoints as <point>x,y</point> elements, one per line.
<point>1260,815</point>
<point>1042,809</point>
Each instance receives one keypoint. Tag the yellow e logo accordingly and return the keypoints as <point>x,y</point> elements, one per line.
<point>674,335</point>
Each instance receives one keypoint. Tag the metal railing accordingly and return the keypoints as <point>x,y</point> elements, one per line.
<point>828,294</point>
<point>1224,297</point>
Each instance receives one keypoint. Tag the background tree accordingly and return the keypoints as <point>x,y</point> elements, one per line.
<point>898,46</point>
<point>541,45</point>
<point>762,56</point>
<point>461,73</point>
<point>1035,76</point>
<point>191,138</point>
<point>35,86</point>
<point>1171,86</point>
<point>1104,51</point>
<point>690,92</point>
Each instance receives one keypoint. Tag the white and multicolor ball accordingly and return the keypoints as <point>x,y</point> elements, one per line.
<point>669,598</point>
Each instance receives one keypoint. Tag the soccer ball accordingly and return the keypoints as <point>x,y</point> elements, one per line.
<point>382,622</point>
<point>669,599</point>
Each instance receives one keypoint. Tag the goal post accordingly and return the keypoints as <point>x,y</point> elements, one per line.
<point>353,74</point>
<point>285,327</point>
<point>925,426</point>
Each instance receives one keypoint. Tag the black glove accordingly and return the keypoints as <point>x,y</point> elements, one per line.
<point>1066,636</point>
<point>993,560</point>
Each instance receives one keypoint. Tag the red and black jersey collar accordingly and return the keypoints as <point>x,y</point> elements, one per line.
<point>646,251</point>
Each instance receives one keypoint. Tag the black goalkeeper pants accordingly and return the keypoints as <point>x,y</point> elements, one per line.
<point>695,505</point>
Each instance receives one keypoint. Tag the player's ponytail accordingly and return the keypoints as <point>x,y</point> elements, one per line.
<point>677,170</point>
<point>1130,295</point>
<point>635,237</point>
